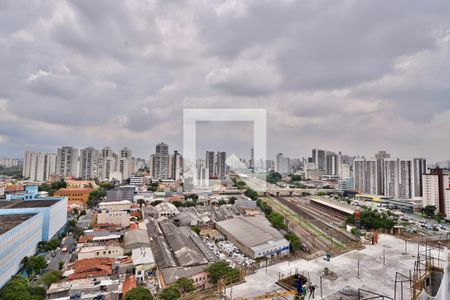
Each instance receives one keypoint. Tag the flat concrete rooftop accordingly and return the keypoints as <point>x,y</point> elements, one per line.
<point>27,203</point>
<point>8,222</point>
<point>374,276</point>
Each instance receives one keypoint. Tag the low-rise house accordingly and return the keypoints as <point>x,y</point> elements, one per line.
<point>136,238</point>
<point>110,250</point>
<point>143,262</point>
<point>114,213</point>
<point>90,268</point>
<point>166,209</point>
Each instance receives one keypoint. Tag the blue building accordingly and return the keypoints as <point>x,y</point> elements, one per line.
<point>25,220</point>
<point>19,236</point>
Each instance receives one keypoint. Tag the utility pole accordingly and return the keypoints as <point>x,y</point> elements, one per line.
<point>321,293</point>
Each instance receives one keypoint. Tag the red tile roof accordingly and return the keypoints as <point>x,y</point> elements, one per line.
<point>91,267</point>
<point>129,283</point>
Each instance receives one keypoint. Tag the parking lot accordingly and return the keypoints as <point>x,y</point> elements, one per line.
<point>228,252</point>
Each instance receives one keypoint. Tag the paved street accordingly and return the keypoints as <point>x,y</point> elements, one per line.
<point>85,221</point>
<point>69,243</point>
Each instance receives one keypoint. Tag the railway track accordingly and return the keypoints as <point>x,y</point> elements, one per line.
<point>332,232</point>
<point>312,239</point>
<point>336,215</point>
<point>329,216</point>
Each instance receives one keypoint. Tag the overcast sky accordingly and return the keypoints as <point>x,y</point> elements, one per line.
<point>355,76</point>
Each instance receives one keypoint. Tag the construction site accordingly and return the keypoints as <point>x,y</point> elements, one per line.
<point>380,271</point>
<point>340,266</point>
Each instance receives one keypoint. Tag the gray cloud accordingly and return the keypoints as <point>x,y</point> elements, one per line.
<point>350,75</point>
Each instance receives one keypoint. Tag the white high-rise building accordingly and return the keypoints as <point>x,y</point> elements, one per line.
<point>67,162</point>
<point>391,177</point>
<point>89,163</point>
<point>176,165</point>
<point>159,162</point>
<point>220,166</point>
<point>405,179</point>
<point>332,163</point>
<point>398,178</point>
<point>107,163</point>
<point>38,166</point>
<point>125,163</point>
<point>436,191</point>
<point>319,158</point>
<point>365,175</point>
<point>282,164</point>
<point>210,163</point>
<point>380,157</point>
<point>419,168</point>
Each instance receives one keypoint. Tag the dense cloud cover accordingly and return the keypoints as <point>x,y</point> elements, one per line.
<point>356,76</point>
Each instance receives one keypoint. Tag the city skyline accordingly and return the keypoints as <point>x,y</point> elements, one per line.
<point>140,66</point>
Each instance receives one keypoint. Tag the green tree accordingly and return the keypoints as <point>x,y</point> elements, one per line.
<point>273,177</point>
<point>222,202</point>
<point>170,293</point>
<point>372,219</point>
<point>196,229</point>
<point>61,265</point>
<point>16,288</point>
<point>138,293</point>
<point>28,265</point>
<point>240,184</point>
<point>232,200</point>
<point>251,194</point>
<point>107,185</point>
<point>429,210</point>
<point>277,220</point>
<point>295,177</point>
<point>38,263</point>
<point>95,197</point>
<point>294,242</point>
<point>185,285</point>
<point>37,292</point>
<point>221,270</point>
<point>49,278</point>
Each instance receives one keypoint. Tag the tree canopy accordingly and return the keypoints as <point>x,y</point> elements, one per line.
<point>429,210</point>
<point>53,187</point>
<point>180,287</point>
<point>95,197</point>
<point>48,278</point>
<point>138,293</point>
<point>18,289</point>
<point>372,219</point>
<point>251,194</point>
<point>221,270</point>
<point>34,264</point>
<point>273,177</point>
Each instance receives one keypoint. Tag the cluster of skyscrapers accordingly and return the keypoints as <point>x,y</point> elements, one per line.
<point>105,164</point>
<point>86,163</point>
<point>165,166</point>
<point>393,177</point>
<point>11,162</point>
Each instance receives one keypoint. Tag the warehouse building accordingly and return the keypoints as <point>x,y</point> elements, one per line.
<point>25,220</point>
<point>179,252</point>
<point>19,235</point>
<point>254,236</point>
<point>52,210</point>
